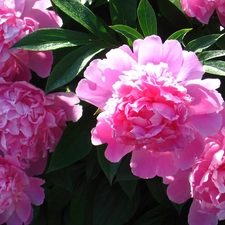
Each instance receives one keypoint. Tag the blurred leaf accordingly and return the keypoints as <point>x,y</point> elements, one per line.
<point>155,216</point>
<point>51,39</point>
<point>216,67</point>
<point>108,167</point>
<point>85,17</point>
<point>75,142</point>
<point>71,65</point>
<point>41,217</point>
<point>179,35</point>
<point>206,55</point>
<point>60,178</point>
<point>176,3</point>
<point>123,12</point>
<point>173,14</point>
<point>128,32</point>
<point>147,18</point>
<point>158,190</point>
<point>124,173</point>
<point>129,187</point>
<point>197,45</point>
<point>111,205</point>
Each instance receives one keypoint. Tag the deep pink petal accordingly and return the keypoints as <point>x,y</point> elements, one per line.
<point>196,216</point>
<point>34,191</point>
<point>146,164</point>
<point>115,151</point>
<point>23,207</point>
<point>178,190</point>
<point>14,220</point>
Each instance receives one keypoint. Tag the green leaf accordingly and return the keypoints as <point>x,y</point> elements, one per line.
<point>85,17</point>
<point>60,178</point>
<point>108,168</point>
<point>75,142</point>
<point>71,65</point>
<point>158,190</point>
<point>201,43</point>
<point>127,31</point>
<point>176,3</point>
<point>111,205</point>
<point>179,35</point>
<point>123,12</point>
<point>173,14</point>
<point>206,55</point>
<point>216,67</point>
<point>129,187</point>
<point>147,18</point>
<point>51,39</point>
<point>155,216</point>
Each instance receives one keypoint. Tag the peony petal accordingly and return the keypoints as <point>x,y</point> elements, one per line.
<point>23,207</point>
<point>40,62</point>
<point>146,164</point>
<point>14,220</point>
<point>92,93</point>
<point>196,215</point>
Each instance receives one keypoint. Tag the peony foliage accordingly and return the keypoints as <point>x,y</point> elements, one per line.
<point>112,112</point>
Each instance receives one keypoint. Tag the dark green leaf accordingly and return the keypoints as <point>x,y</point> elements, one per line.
<point>206,55</point>
<point>216,67</point>
<point>51,39</point>
<point>85,17</point>
<point>173,14</point>
<point>111,205</point>
<point>129,187</point>
<point>179,35</point>
<point>108,168</point>
<point>154,216</point>
<point>176,3</point>
<point>124,173</point>
<point>197,45</point>
<point>128,32</point>
<point>60,178</point>
<point>123,12</point>
<point>71,65</point>
<point>75,142</point>
<point>147,18</point>
<point>158,190</point>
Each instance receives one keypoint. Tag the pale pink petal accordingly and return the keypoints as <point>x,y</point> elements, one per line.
<point>67,101</point>
<point>40,62</point>
<point>144,50</point>
<point>207,124</point>
<point>92,93</point>
<point>197,216</point>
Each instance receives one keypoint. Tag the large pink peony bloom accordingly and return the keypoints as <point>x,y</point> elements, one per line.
<point>204,183</point>
<point>31,123</point>
<point>17,19</point>
<point>203,9</point>
<point>154,104</point>
<point>17,193</point>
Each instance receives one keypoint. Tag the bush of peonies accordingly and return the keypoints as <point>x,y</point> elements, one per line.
<point>135,135</point>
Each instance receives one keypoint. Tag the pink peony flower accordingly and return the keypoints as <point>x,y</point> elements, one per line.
<point>204,183</point>
<point>17,193</point>
<point>31,123</point>
<point>17,19</point>
<point>203,9</point>
<point>154,104</point>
